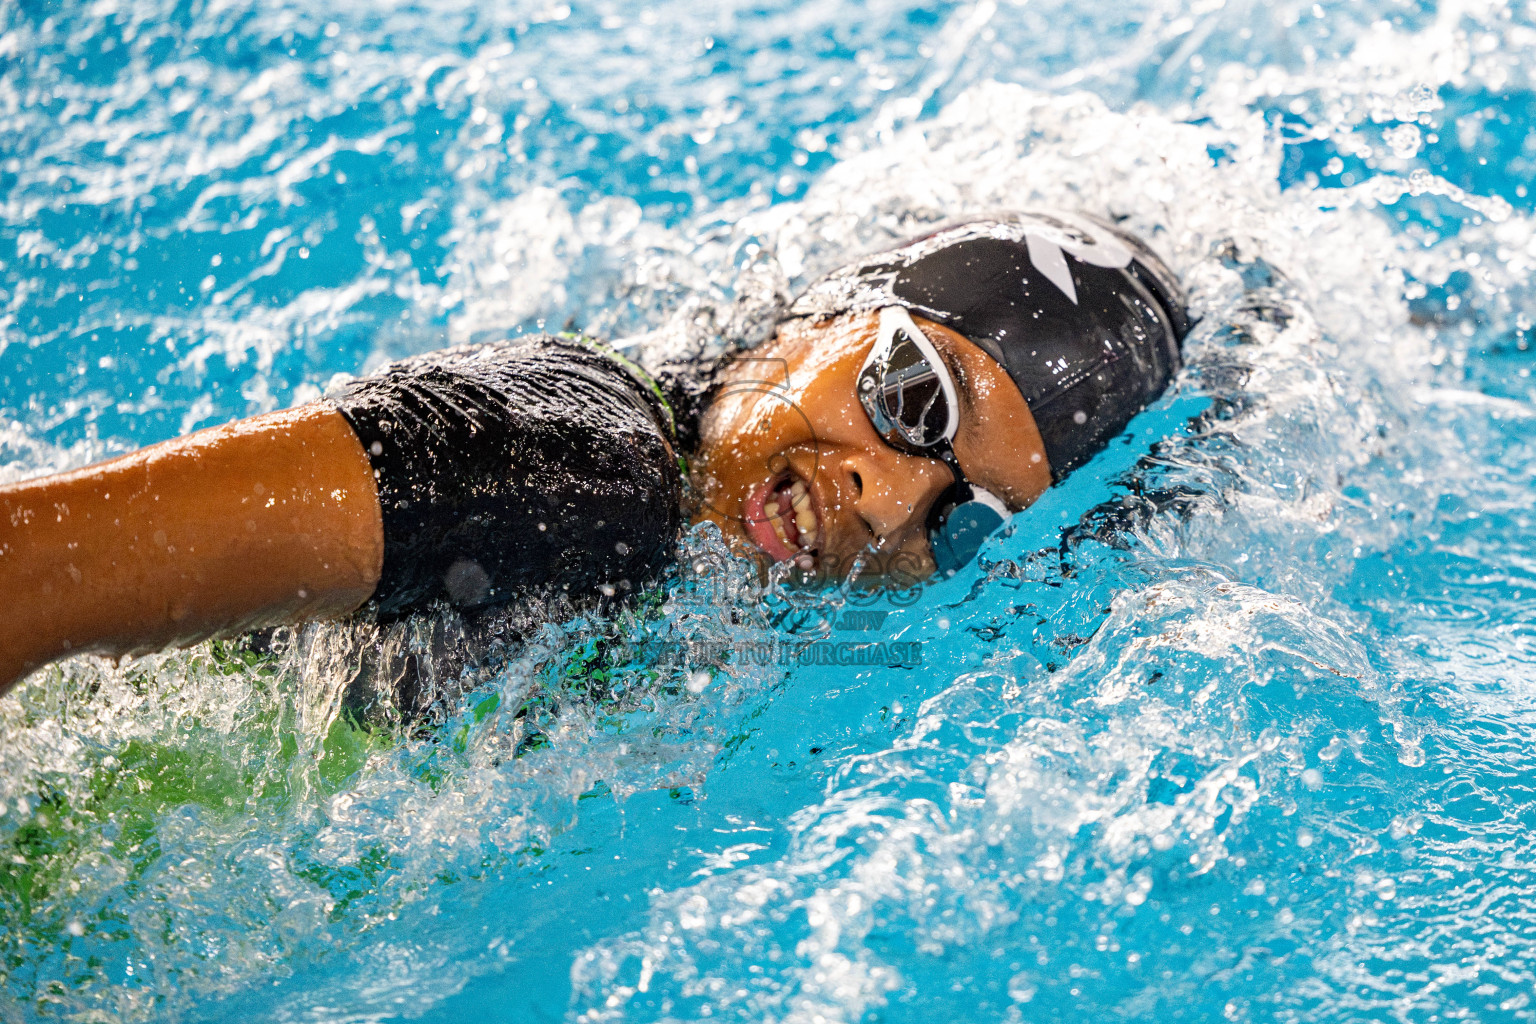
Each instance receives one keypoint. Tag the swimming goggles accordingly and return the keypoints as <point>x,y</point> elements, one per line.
<point>906,390</point>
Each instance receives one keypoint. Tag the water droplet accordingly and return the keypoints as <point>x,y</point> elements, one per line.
<point>1021,989</point>
<point>467,582</point>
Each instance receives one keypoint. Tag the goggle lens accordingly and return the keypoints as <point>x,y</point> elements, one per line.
<point>905,388</point>
<point>904,396</point>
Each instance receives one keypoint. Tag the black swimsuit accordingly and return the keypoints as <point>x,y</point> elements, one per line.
<point>534,465</point>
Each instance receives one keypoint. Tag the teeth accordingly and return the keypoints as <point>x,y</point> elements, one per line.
<point>771,510</point>
<point>805,519</point>
<point>778,528</point>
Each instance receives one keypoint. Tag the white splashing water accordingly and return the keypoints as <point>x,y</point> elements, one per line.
<point>1252,754</point>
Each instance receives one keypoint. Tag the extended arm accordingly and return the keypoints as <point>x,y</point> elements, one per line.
<point>471,475</point>
<point>263,521</point>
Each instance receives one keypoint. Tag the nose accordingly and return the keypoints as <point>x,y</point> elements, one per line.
<point>892,491</point>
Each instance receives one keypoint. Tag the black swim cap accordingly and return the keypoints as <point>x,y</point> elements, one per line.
<point>1085,319</point>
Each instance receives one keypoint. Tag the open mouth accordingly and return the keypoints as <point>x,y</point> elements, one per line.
<point>781,518</point>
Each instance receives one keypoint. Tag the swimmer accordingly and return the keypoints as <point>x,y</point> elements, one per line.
<point>905,406</point>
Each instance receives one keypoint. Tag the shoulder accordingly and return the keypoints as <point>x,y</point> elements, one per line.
<point>537,463</point>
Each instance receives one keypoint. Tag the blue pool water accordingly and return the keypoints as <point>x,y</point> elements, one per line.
<point>1265,753</point>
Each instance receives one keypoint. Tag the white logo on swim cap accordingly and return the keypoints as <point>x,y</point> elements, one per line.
<point>1048,236</point>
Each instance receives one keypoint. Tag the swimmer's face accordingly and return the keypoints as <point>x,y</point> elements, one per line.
<point>790,463</point>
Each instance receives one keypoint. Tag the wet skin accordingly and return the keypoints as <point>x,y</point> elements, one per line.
<point>787,413</point>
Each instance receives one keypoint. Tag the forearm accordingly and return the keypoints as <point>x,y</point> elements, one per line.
<point>263,521</point>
